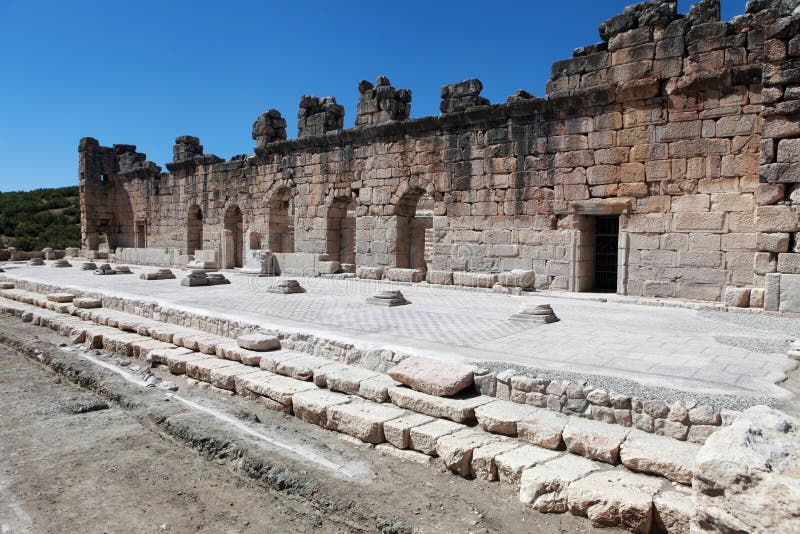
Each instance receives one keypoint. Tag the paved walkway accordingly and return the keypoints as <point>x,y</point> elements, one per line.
<point>708,352</point>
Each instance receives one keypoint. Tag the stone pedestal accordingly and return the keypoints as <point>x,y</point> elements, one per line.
<point>286,287</point>
<point>160,274</point>
<point>216,279</point>
<point>88,266</point>
<point>260,263</point>
<point>104,269</point>
<point>388,298</point>
<point>122,269</point>
<point>536,313</point>
<point>35,262</point>
<point>61,263</point>
<point>200,265</point>
<point>195,278</point>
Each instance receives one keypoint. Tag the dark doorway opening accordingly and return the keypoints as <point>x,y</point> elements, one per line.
<point>606,253</point>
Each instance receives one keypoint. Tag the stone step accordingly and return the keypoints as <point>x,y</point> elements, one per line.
<point>459,410</point>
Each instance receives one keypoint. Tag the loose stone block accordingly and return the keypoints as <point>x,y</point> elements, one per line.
<point>312,406</point>
<point>501,417</point>
<point>369,273</point>
<point>258,342</point>
<point>87,303</point>
<point>398,431</point>
<point>388,299</point>
<point>511,464</point>
<point>177,362</point>
<point>363,420</point>
<point>6,285</point>
<point>279,388</point>
<point>287,287</point>
<point>432,377</point>
<point>60,297</point>
<point>674,510</point>
<point>405,275</point>
<point>460,410</point>
<point>271,360</point>
<point>377,388</point>
<point>456,449</point>
<point>344,378</point>
<point>659,455</point>
<point>544,487</point>
<point>302,367</point>
<point>201,369</point>
<point>423,437</point>
<point>483,458</point>
<point>615,499</point>
<point>160,356</point>
<point>243,383</point>
<point>543,428</point>
<point>225,377</point>
<point>595,440</point>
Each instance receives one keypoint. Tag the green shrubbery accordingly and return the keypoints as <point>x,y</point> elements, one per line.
<point>33,220</point>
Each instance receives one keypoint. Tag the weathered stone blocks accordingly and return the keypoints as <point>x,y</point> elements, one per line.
<point>433,377</point>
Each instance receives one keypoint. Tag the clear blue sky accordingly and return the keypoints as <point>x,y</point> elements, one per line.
<point>147,71</point>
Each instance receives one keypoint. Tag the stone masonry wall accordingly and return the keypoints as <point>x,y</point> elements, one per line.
<point>683,126</point>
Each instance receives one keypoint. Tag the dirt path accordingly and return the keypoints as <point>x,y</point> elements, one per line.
<point>72,462</point>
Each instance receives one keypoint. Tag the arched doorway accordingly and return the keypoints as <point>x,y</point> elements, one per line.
<point>281,221</point>
<point>342,230</point>
<point>234,237</point>
<point>414,220</point>
<point>194,230</point>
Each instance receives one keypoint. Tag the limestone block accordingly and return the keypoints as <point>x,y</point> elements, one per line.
<point>460,410</point>
<point>258,342</point>
<point>369,273</point>
<point>225,377</point>
<point>377,388</point>
<point>522,278</point>
<point>302,367</point>
<point>483,464</point>
<point>271,360</point>
<point>456,449</point>
<point>344,378</point>
<point>777,219</point>
<point>501,417</point>
<point>746,476</point>
<point>312,406</point>
<point>278,388</point>
<point>474,279</point>
<point>674,510</point>
<point>328,267</point>
<point>659,455</point>
<point>615,498</point>
<point>511,464</point>
<point>756,297</point>
<point>790,293</point>
<point>177,362</point>
<point>423,437</point>
<point>243,383</point>
<point>201,369</point>
<point>773,242</point>
<point>544,428</point>
<point>363,420</point>
<point>87,303</point>
<point>444,278</point>
<point>160,356</point>
<point>736,297</point>
<point>593,439</point>
<point>772,291</point>
<point>398,431</point>
<point>544,487</point>
<point>60,297</point>
<point>433,377</point>
<point>405,275</point>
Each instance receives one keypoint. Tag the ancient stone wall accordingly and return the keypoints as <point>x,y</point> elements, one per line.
<point>680,127</point>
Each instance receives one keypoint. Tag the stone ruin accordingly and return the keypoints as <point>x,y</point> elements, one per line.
<point>662,162</point>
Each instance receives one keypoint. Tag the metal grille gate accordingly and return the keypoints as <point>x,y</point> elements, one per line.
<point>605,254</point>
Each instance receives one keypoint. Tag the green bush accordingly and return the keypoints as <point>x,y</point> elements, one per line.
<point>41,218</point>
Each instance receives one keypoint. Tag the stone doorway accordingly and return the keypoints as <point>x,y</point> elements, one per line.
<point>414,220</point>
<point>234,237</point>
<point>342,231</point>
<point>281,221</point>
<point>194,230</point>
<point>606,254</point>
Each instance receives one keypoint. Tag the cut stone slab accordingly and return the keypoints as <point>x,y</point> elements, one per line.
<point>60,297</point>
<point>544,487</point>
<point>363,420</point>
<point>388,299</point>
<point>460,410</point>
<point>225,377</point>
<point>258,342</point>
<point>674,510</point>
<point>432,377</point>
<point>177,362</point>
<point>544,428</point>
<point>161,356</point>
<point>244,382</point>
<point>312,406</point>
<point>344,378</point>
<point>280,388</point>
<point>201,369</point>
<point>501,417</point>
<point>535,313</point>
<point>593,439</point>
<point>87,303</point>
<point>398,431</point>
<point>287,287</point>
<point>483,464</point>
<point>377,388</point>
<point>456,449</point>
<point>302,367</point>
<point>208,345</point>
<point>271,360</point>
<point>659,455</point>
<point>6,285</point>
<point>423,437</point>
<point>511,464</point>
<point>615,498</point>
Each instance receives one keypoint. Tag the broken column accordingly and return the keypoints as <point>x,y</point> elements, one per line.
<point>319,115</point>
<point>462,96</point>
<point>381,102</point>
<point>388,298</point>
<point>536,313</point>
<point>286,287</point>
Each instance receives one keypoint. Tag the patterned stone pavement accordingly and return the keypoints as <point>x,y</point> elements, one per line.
<point>709,352</point>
